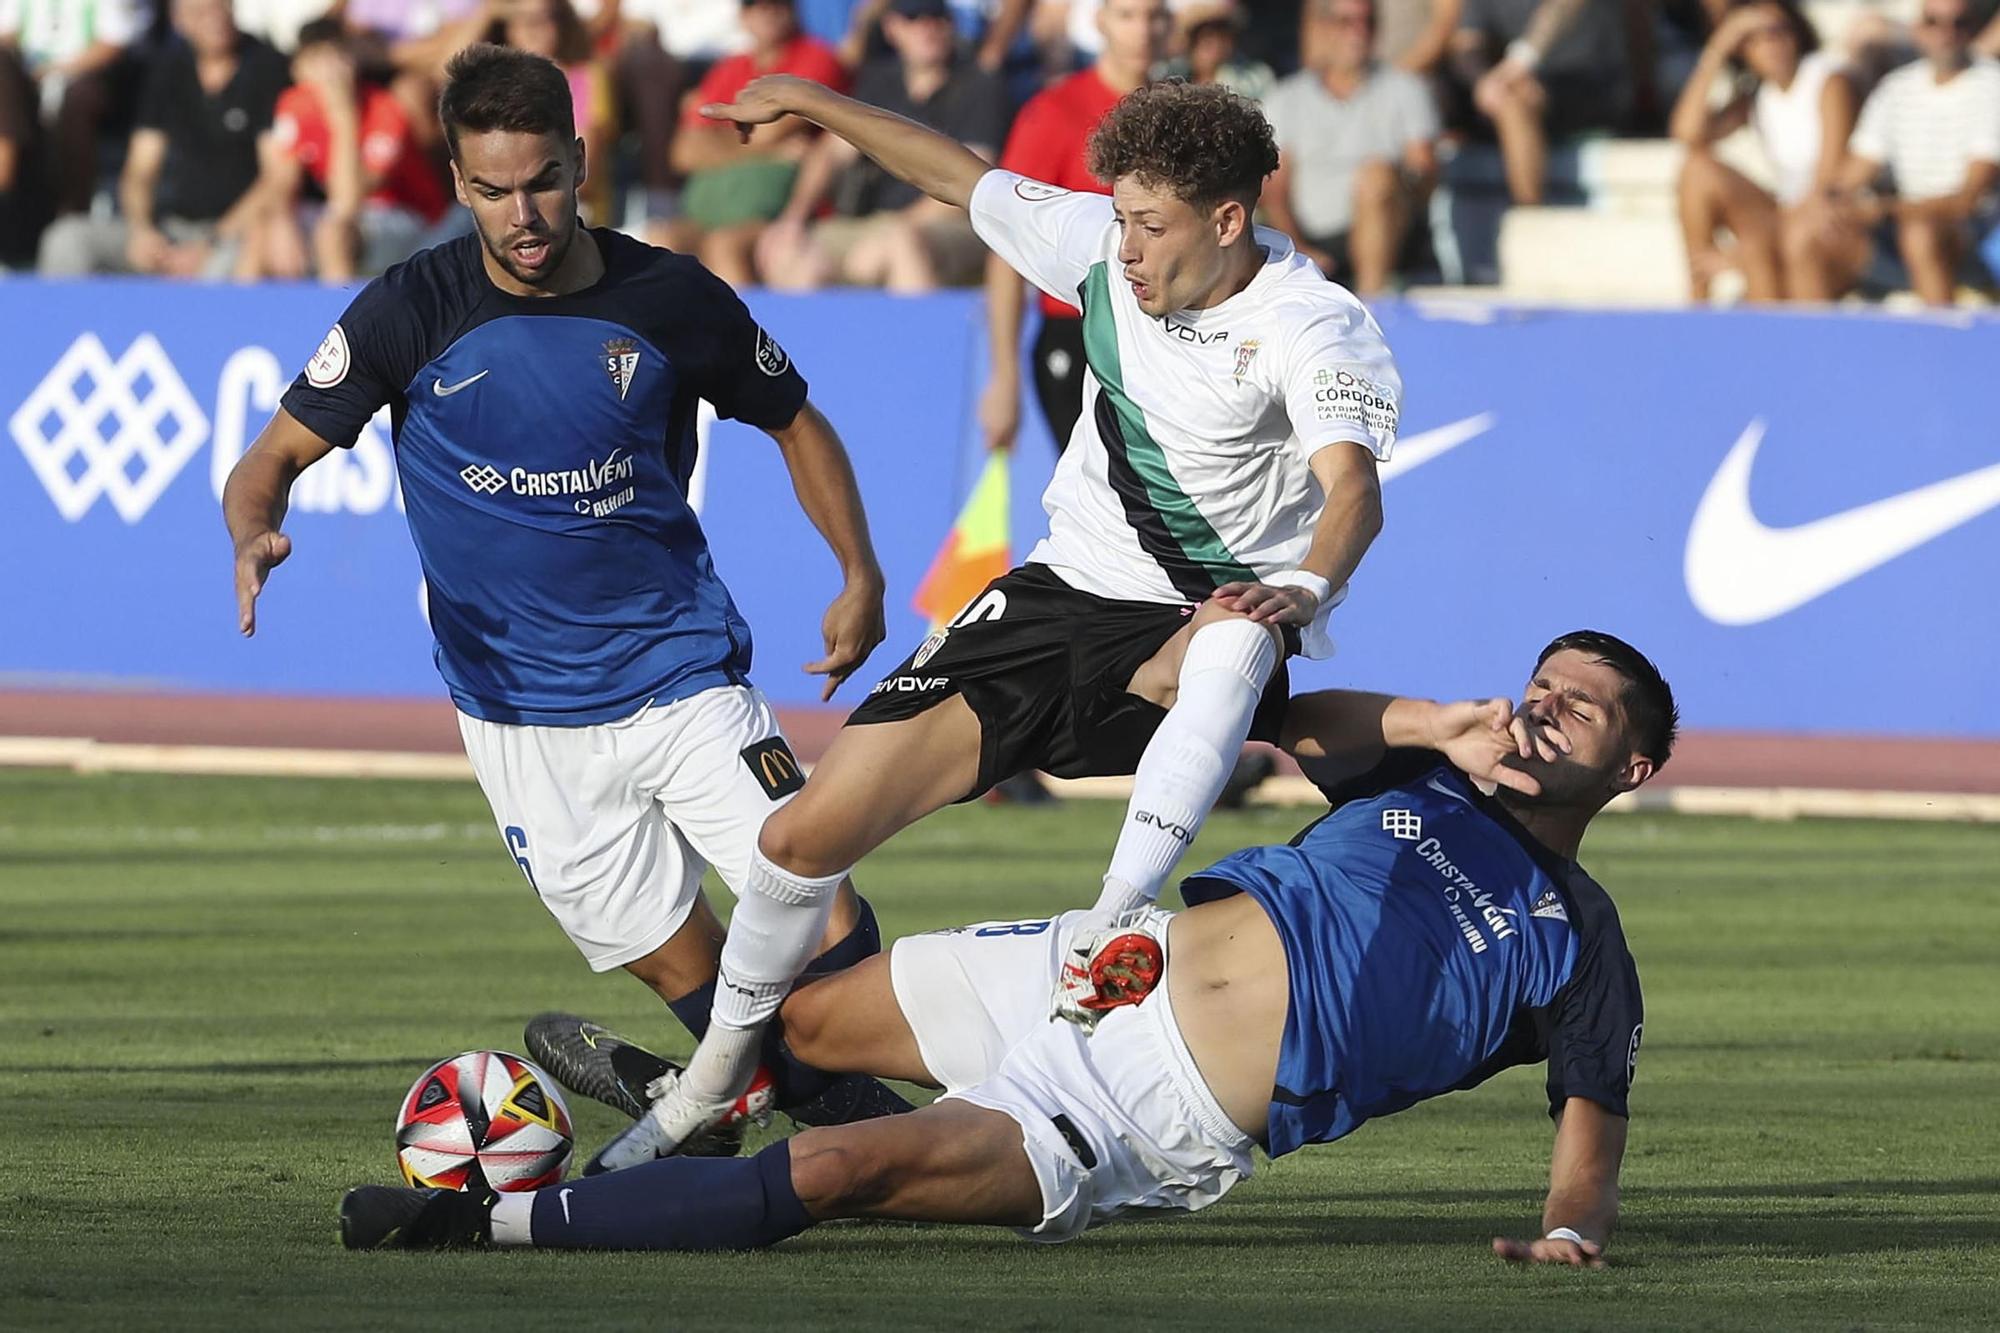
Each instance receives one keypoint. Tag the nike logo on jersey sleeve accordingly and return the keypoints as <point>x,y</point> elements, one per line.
<point>443,390</point>
<point>1740,571</point>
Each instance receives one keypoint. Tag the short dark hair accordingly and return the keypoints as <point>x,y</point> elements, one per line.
<point>1648,702</point>
<point>1201,141</point>
<point>489,88</point>
<point>321,32</point>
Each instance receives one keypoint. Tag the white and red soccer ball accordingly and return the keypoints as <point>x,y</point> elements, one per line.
<point>483,1119</point>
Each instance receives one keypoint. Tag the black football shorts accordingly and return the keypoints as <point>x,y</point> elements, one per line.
<point>1044,669</point>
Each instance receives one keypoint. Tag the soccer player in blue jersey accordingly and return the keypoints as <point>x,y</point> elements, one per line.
<point>1417,939</point>
<point>543,380</point>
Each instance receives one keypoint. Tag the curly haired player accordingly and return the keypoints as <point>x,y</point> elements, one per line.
<point>1219,491</point>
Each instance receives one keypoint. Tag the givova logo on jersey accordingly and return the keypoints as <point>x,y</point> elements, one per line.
<point>121,427</point>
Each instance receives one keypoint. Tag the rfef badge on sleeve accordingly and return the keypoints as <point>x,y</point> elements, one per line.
<point>773,765</point>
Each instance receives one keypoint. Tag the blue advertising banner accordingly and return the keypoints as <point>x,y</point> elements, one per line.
<point>1795,513</point>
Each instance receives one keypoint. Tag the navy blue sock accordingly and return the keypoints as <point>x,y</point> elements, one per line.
<point>692,1009</point>
<point>676,1203</point>
<point>859,944</point>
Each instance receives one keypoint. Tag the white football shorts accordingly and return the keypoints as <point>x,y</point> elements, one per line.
<point>1115,1123</point>
<point>613,824</point>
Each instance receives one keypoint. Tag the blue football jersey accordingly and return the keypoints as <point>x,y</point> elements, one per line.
<point>544,446</point>
<point>1432,943</point>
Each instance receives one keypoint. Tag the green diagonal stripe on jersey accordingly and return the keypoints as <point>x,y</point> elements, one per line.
<point>1184,525</point>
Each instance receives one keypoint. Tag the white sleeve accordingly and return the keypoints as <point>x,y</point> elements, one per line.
<point>1049,236</point>
<point>1341,384</point>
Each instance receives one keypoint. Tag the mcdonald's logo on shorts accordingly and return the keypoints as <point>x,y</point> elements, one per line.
<point>772,764</point>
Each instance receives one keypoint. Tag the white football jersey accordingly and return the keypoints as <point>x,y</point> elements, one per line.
<point>1189,466</point>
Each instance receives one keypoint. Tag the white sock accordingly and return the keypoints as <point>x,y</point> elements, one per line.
<point>773,934</point>
<point>510,1218</point>
<point>1189,758</point>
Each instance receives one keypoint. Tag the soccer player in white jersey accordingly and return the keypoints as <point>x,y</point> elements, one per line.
<point>1218,493</point>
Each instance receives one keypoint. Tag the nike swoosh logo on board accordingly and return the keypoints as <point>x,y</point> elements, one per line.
<point>1413,451</point>
<point>443,390</point>
<point>1740,571</point>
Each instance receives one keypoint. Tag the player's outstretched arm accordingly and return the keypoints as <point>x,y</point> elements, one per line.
<point>941,167</point>
<point>1337,734</point>
<point>1583,1190</point>
<point>254,500</point>
<point>824,481</point>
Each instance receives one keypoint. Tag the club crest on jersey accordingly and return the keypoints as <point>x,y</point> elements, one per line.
<point>928,648</point>
<point>1246,352</point>
<point>621,362</point>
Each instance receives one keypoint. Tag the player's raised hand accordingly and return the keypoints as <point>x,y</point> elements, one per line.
<point>853,626</point>
<point>255,559</point>
<point>1574,1253</point>
<point>1478,737</point>
<point>1267,605</point>
<point>761,102</point>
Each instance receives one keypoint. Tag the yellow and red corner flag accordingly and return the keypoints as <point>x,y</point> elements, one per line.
<point>975,553</point>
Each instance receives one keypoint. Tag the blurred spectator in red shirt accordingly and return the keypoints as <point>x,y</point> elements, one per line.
<point>885,233</point>
<point>354,142</point>
<point>734,189</point>
<point>1048,143</point>
<point>186,194</point>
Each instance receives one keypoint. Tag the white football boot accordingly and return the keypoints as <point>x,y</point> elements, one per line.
<point>674,1118</point>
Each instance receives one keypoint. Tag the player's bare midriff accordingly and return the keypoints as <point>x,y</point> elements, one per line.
<point>1231,990</point>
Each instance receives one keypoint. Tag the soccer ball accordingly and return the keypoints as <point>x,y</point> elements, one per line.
<point>484,1119</point>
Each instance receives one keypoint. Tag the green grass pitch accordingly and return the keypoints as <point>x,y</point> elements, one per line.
<point>214,992</point>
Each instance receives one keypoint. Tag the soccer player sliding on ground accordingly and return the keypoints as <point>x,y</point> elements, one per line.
<point>1217,495</point>
<point>1417,939</point>
<point>543,378</point>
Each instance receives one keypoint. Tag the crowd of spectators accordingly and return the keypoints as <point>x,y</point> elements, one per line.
<point>288,138</point>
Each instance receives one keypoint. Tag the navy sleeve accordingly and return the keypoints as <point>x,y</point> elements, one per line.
<point>1393,769</point>
<point>364,362</point>
<point>1598,1019</point>
<point>742,369</point>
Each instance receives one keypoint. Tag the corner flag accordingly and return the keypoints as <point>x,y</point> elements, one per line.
<point>975,552</point>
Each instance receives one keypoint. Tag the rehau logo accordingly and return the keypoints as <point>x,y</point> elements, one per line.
<point>771,762</point>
